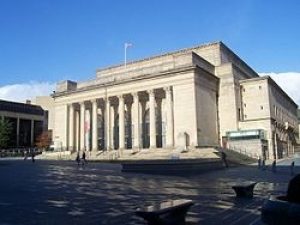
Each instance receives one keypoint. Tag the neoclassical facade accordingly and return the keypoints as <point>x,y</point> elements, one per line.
<point>185,99</point>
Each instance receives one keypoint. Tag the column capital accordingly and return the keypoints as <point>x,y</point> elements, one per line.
<point>168,89</point>
<point>135,94</point>
<point>71,104</point>
<point>81,103</point>
<point>151,92</point>
<point>120,96</point>
<point>94,100</point>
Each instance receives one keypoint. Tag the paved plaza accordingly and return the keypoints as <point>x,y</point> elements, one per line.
<point>61,193</point>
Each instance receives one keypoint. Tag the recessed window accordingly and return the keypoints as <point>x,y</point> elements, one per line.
<point>259,87</point>
<point>245,116</point>
<point>245,105</point>
<point>261,107</point>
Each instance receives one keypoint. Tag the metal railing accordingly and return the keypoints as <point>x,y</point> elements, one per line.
<point>19,152</point>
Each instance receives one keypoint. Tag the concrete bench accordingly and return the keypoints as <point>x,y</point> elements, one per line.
<point>244,189</point>
<point>171,212</point>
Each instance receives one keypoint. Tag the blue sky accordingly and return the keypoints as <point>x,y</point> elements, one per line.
<point>51,40</point>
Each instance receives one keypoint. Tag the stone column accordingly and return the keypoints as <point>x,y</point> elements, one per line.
<point>95,125</point>
<point>71,127</point>
<point>275,145</point>
<point>170,118</point>
<point>112,125</point>
<point>77,130</point>
<point>107,125</point>
<point>152,119</point>
<point>121,123</point>
<point>18,131</point>
<point>136,121</point>
<point>82,120</point>
<point>32,133</point>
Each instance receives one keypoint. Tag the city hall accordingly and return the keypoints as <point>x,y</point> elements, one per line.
<point>204,96</point>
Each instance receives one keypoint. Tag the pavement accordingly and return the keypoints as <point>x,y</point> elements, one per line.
<point>62,193</point>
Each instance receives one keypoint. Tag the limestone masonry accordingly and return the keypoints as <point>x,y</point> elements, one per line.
<point>196,97</point>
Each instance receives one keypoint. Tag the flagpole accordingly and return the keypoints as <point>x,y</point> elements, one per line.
<point>126,45</point>
<point>125,53</point>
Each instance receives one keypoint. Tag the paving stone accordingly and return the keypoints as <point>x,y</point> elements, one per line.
<point>60,192</point>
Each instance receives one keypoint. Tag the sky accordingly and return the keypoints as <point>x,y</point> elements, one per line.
<point>46,41</point>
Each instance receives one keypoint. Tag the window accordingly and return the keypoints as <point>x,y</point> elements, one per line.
<point>261,107</point>
<point>245,105</point>
<point>259,87</point>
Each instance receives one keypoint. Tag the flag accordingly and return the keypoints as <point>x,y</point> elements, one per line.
<point>127,45</point>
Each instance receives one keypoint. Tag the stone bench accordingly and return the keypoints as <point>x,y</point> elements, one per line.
<point>171,212</point>
<point>244,190</point>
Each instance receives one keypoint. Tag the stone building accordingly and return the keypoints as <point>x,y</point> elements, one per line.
<point>47,104</point>
<point>189,98</point>
<point>26,120</point>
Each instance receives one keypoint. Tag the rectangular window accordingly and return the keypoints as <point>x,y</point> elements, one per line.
<point>261,107</point>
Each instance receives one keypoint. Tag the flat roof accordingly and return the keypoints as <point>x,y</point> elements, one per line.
<point>21,108</point>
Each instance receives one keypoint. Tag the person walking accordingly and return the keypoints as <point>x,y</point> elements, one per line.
<point>274,166</point>
<point>32,157</point>
<point>83,158</point>
<point>223,156</point>
<point>78,159</point>
<point>259,162</point>
<point>263,164</point>
<point>292,168</point>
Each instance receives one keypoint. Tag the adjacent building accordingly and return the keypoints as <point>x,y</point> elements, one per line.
<point>47,104</point>
<point>195,97</point>
<point>26,121</point>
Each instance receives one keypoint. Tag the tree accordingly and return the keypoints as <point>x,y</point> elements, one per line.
<point>5,132</point>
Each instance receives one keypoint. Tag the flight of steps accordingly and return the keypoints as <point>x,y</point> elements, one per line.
<point>153,154</point>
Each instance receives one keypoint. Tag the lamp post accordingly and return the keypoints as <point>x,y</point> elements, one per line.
<point>126,45</point>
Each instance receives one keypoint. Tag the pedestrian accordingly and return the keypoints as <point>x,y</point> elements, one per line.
<point>78,159</point>
<point>83,158</point>
<point>32,157</point>
<point>223,155</point>
<point>292,168</point>
<point>264,164</point>
<point>259,162</point>
<point>274,166</point>
<point>25,155</point>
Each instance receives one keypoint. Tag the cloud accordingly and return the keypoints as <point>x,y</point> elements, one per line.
<point>22,92</point>
<point>289,82</point>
